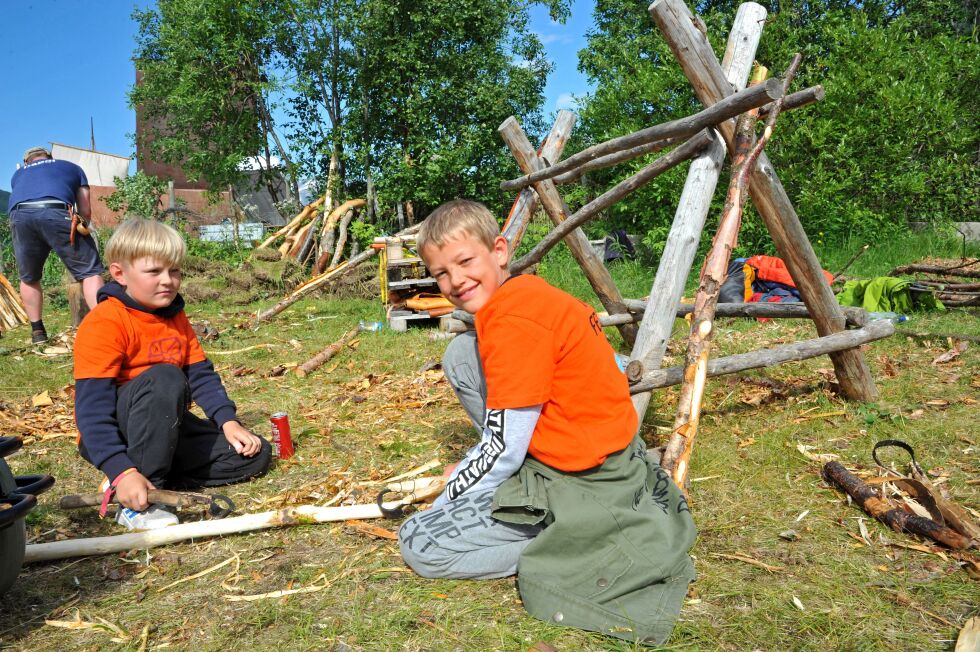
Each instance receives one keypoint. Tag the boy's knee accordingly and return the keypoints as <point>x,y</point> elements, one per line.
<point>420,551</point>
<point>166,378</point>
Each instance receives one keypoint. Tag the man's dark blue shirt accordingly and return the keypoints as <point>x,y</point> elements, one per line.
<point>46,179</point>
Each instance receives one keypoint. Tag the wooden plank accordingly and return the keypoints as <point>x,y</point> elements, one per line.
<point>553,204</point>
<point>698,61</point>
<point>527,200</point>
<point>692,210</point>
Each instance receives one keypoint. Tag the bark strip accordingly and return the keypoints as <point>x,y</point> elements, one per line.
<point>325,354</point>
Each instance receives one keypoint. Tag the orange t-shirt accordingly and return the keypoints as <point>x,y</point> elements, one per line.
<point>539,345</point>
<point>116,342</point>
<point>770,268</point>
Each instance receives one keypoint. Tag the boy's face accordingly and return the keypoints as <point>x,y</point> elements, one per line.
<point>148,280</point>
<point>467,272</point>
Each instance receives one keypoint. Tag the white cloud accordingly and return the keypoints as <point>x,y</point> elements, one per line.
<point>565,101</point>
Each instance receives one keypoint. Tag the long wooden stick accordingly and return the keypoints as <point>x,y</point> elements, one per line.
<point>681,128</point>
<point>676,458</point>
<point>897,519</point>
<point>856,317</point>
<point>325,354</point>
<point>764,358</point>
<point>591,210</point>
<point>302,515</point>
<point>293,223</point>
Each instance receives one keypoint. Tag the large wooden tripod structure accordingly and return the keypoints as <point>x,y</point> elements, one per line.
<point>703,139</point>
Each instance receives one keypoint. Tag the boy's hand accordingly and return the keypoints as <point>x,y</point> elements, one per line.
<point>241,439</point>
<point>131,491</point>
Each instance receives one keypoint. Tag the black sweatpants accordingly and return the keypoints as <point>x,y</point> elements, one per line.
<point>170,446</point>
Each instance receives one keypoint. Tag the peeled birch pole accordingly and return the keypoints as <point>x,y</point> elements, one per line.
<point>341,236</point>
<point>676,458</point>
<point>692,210</point>
<point>527,200</point>
<point>856,317</point>
<point>301,515</point>
<point>693,52</point>
<point>292,224</point>
<point>324,355</point>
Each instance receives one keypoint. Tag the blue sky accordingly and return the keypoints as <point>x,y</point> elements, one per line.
<point>68,61</point>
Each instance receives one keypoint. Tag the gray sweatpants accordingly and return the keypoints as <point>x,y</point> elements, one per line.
<point>460,539</point>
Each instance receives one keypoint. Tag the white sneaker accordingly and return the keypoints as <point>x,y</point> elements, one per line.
<point>153,518</point>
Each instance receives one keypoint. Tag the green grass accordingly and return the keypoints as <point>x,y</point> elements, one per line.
<point>372,413</point>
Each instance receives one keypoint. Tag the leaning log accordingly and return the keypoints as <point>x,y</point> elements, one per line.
<point>590,211</point>
<point>301,515</point>
<point>684,127</point>
<point>677,454</point>
<point>697,59</point>
<point>599,277</point>
<point>792,352</point>
<point>897,519</point>
<point>324,355</point>
<point>692,210</point>
<point>527,200</point>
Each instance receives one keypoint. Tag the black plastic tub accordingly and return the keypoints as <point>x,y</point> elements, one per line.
<point>18,496</point>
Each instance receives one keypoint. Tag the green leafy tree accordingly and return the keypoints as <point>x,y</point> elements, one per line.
<point>894,140</point>
<point>138,195</point>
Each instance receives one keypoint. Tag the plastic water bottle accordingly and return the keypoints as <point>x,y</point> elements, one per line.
<point>370,326</point>
<point>890,316</point>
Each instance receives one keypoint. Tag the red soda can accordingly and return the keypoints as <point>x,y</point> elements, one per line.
<point>282,438</point>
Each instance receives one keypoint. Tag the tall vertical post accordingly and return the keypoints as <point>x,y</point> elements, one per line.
<point>701,67</point>
<point>692,210</point>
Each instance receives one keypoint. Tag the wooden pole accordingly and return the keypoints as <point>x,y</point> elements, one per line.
<point>324,355</point>
<point>301,515</point>
<point>527,200</point>
<point>697,59</point>
<point>597,274</point>
<point>677,455</point>
<point>591,210</point>
<point>856,317</point>
<point>798,99</point>
<point>792,352</point>
<point>692,210</point>
<point>681,128</point>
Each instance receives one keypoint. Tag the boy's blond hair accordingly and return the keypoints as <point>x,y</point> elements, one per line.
<point>455,217</point>
<point>137,238</point>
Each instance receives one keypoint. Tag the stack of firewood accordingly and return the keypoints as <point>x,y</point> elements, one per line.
<point>950,284</point>
<point>12,312</point>
<point>318,234</point>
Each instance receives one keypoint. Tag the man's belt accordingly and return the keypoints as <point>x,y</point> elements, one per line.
<point>41,204</point>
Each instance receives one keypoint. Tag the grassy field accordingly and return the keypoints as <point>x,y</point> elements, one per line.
<point>379,409</point>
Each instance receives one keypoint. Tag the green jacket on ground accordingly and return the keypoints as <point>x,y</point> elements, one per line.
<point>886,294</point>
<point>614,555</point>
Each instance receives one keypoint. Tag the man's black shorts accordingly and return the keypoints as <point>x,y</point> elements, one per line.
<point>36,231</point>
